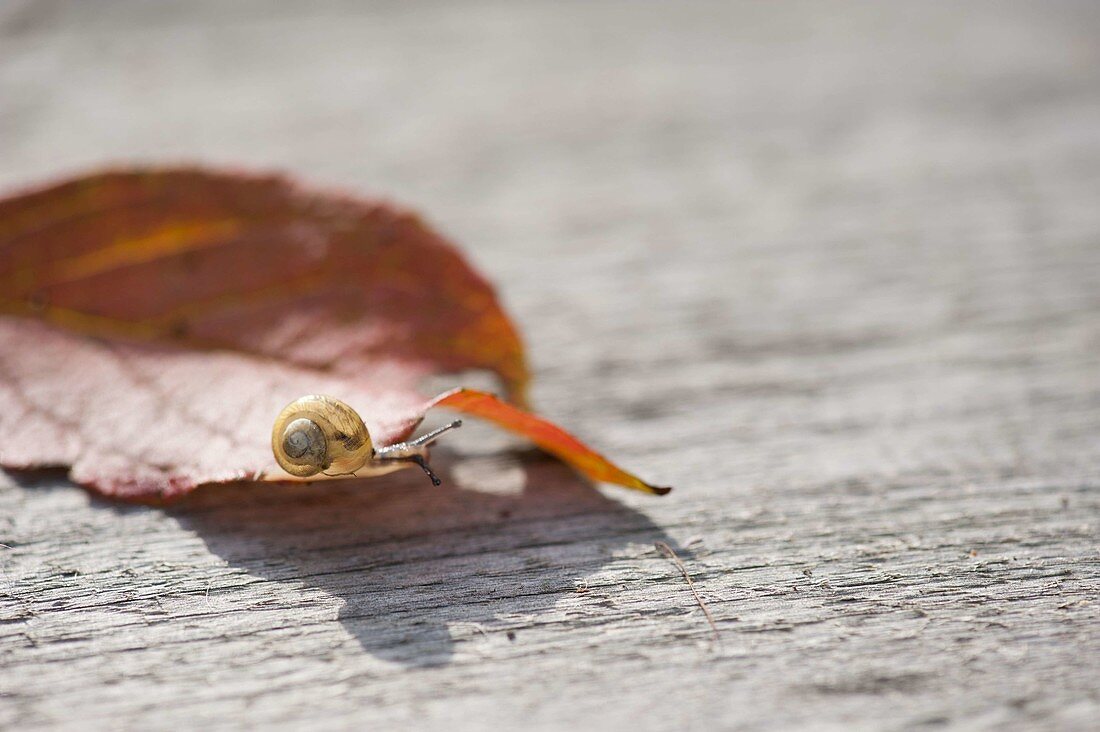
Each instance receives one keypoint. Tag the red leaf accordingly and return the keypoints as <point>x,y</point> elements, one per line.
<point>153,323</point>
<point>546,435</point>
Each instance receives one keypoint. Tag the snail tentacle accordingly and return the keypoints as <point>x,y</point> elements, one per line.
<point>415,451</point>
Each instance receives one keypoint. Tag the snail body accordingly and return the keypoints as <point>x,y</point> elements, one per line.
<point>321,435</point>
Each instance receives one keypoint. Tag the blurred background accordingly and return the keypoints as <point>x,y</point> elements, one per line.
<point>683,204</point>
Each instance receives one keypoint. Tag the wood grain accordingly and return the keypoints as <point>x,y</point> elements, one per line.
<point>830,269</point>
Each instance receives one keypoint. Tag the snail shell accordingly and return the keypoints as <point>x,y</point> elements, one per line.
<point>319,434</point>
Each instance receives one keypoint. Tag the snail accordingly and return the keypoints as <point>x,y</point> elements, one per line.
<point>320,435</point>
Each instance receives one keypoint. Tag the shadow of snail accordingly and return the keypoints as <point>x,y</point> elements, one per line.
<point>418,566</point>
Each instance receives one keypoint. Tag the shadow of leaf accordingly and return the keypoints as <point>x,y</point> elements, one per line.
<point>417,567</point>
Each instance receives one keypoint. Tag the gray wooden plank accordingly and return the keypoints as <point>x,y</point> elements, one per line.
<point>830,269</point>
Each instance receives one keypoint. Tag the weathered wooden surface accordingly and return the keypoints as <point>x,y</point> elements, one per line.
<point>833,270</point>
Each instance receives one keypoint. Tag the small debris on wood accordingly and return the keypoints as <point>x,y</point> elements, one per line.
<point>668,552</point>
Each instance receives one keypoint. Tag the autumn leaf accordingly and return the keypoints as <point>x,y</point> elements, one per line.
<point>154,322</point>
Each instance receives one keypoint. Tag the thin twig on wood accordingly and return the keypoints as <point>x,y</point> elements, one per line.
<point>668,552</point>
